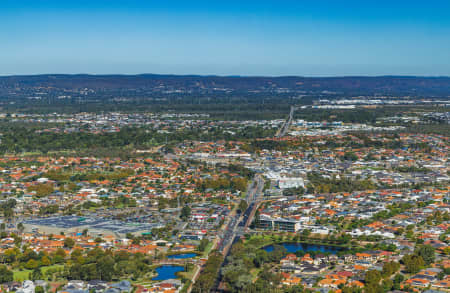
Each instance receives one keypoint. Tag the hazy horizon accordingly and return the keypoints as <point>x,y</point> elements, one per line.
<point>227,75</point>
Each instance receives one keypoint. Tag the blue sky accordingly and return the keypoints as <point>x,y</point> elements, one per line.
<point>311,38</point>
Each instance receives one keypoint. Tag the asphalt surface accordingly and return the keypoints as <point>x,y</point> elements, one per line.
<point>237,222</point>
<point>236,226</point>
<point>286,125</point>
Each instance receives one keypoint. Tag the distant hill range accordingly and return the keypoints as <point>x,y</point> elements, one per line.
<point>194,84</point>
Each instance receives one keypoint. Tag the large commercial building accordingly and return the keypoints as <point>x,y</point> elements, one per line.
<point>278,224</point>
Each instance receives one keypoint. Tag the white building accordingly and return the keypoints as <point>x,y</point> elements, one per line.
<point>290,182</point>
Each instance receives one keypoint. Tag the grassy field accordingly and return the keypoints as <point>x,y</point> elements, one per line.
<point>45,269</point>
<point>21,275</point>
<point>208,249</point>
<point>260,240</point>
<point>189,274</point>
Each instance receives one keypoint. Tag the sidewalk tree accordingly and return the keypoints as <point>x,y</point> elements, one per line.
<point>242,206</point>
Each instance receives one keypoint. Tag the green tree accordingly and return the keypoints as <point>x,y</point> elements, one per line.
<point>59,256</point>
<point>42,190</point>
<point>8,213</point>
<point>413,263</point>
<point>350,156</point>
<point>239,183</point>
<point>69,242</point>
<point>427,253</point>
<point>5,274</point>
<point>31,264</point>
<point>242,206</point>
<point>373,288</point>
<point>20,227</point>
<point>45,261</point>
<point>185,213</point>
<point>36,274</point>
<point>203,244</point>
<point>306,232</point>
<point>372,277</point>
<point>389,268</point>
<point>387,285</point>
<point>209,273</point>
<point>398,279</point>
<point>105,267</point>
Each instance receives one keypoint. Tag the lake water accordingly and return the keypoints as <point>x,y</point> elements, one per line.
<point>182,256</point>
<point>167,272</point>
<point>294,247</point>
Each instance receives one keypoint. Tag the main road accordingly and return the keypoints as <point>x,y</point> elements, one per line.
<point>239,222</point>
<point>286,125</point>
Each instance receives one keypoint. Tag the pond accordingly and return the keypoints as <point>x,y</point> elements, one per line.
<point>167,272</point>
<point>294,247</point>
<point>182,256</point>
